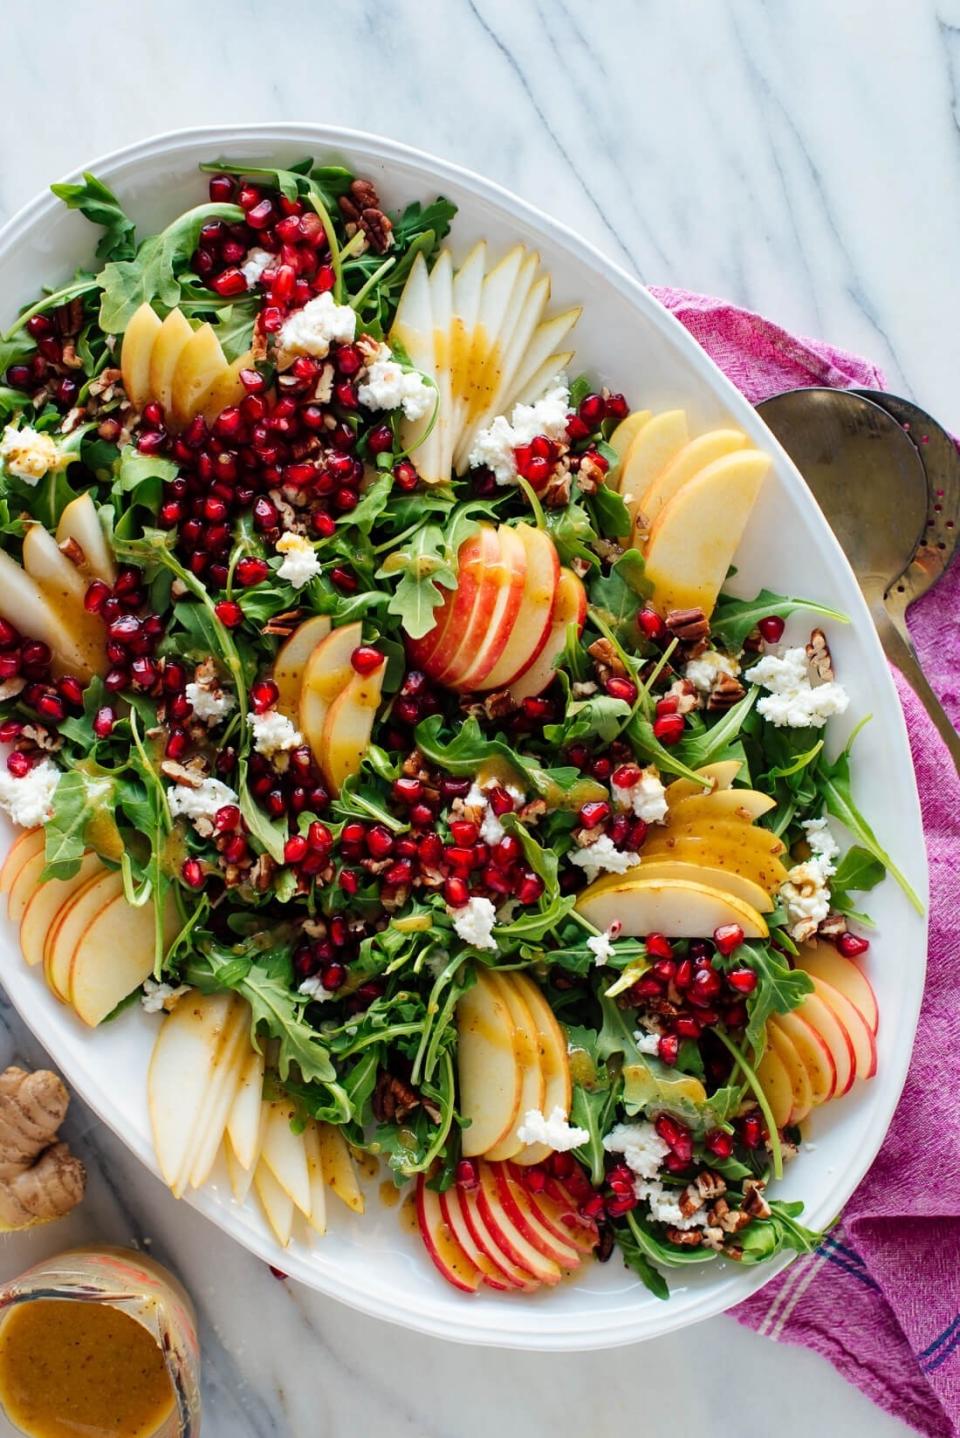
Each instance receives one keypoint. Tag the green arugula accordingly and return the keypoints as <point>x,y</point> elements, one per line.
<point>101,207</point>
<point>153,274</point>
<point>620,594</point>
<point>733,619</point>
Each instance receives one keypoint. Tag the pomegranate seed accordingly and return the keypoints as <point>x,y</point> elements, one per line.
<point>507,852</point>
<point>177,744</point>
<point>465,834</point>
<point>52,707</point>
<point>9,665</point>
<point>706,985</point>
<point>466,1174</point>
<point>592,409</point>
<point>144,672</point>
<point>563,1165</point>
<point>344,580</point>
<point>407,791</point>
<point>251,571</point>
<point>348,360</point>
<point>10,729</point>
<point>576,429</point>
<point>349,881</point>
<point>36,654</point>
<point>334,976</point>
<point>626,776</point>
<point>319,836</point>
<point>353,832</point>
<point>115,680</point>
<point>229,613</point>
<point>601,769</point>
<point>617,407</point>
<point>18,376</point>
<point>192,873</point>
<point>735,1016</point>
<point>456,893</point>
<point>18,765</point>
<point>593,1207</point>
<point>405,476</point>
<point>687,1028</point>
<point>379,841</point>
<point>459,857</point>
<point>728,937</point>
<point>379,440</point>
<point>420,816</point>
<point>70,690</point>
<point>659,946</point>
<point>649,987</point>
<point>664,970</point>
<point>851,946</point>
<point>669,704</point>
<point>594,813</point>
<point>719,1143</point>
<point>619,688</point>
<point>531,887</point>
<point>365,659</point>
<point>221,188</point>
<point>152,441</point>
<point>8,635</point>
<point>229,283</point>
<point>676,1135</point>
<point>743,980</point>
<point>751,1131</point>
<point>652,625</point>
<point>430,848</point>
<point>234,850</point>
<point>500,801</point>
<point>771,628</point>
<point>226,818</point>
<point>669,728</point>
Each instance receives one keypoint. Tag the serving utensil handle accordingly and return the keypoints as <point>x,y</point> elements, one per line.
<point>901,653</point>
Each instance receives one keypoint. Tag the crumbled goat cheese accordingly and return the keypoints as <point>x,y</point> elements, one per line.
<point>202,802</point>
<point>474,923</point>
<point>27,453</point>
<point>321,323</point>
<point>664,1208</point>
<point>554,1131</point>
<point>256,262</point>
<point>209,704</point>
<point>491,830</point>
<point>823,846</point>
<point>793,702</point>
<point>156,997</point>
<point>493,447</point>
<point>642,1147</point>
<point>313,988</point>
<point>389,386</point>
<point>602,856</point>
<point>806,892</point>
<point>28,800</point>
<point>647,1043</point>
<point>601,947</point>
<point>647,797</point>
<point>300,562</point>
<point>702,672</point>
<point>273,733</point>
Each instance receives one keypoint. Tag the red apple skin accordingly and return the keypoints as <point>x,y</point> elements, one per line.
<point>434,650</point>
<point>519,1275</point>
<point>856,1025</point>
<point>538,604</point>
<point>509,1237</point>
<point>448,1257</point>
<point>560,1216</point>
<point>844,974</point>
<point>570,607</point>
<point>817,1038</point>
<point>486,641</point>
<point>523,1212</point>
<point>820,1016</point>
<point>493,1277</point>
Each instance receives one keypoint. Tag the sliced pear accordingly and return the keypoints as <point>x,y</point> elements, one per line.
<point>695,537</point>
<point>715,776</point>
<point>685,465</point>
<point>486,353</point>
<point>277,1205</point>
<point>627,431</point>
<point>730,835</point>
<point>716,852</point>
<point>531,302</point>
<point>136,352</point>
<point>172,339</point>
<point>739,885</point>
<point>219,1099</point>
<point>200,364</point>
<point>245,1119</point>
<point>241,1179</point>
<point>542,358</point>
<point>441,305</point>
<point>25,846</point>
<point>542,379</point>
<point>317,1217</point>
<point>25,605</point>
<point>290,665</point>
<point>348,726</point>
<point>64,588</point>
<point>532,1081</point>
<point>227,389</point>
<point>554,1061</point>
<point>676,907</point>
<point>743,805</point>
<point>45,903</point>
<point>81,523</point>
<point>467,289</point>
<point>70,923</point>
<point>413,331</point>
<point>327,674</point>
<point>25,885</point>
<point>490,1081</point>
<point>339,1170</point>
<point>284,1153</point>
<point>114,955</point>
<point>651,450</point>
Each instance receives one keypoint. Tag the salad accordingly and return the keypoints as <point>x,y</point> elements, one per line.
<point>378,721</point>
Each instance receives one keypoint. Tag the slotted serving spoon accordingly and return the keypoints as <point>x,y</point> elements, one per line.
<point>887,478</point>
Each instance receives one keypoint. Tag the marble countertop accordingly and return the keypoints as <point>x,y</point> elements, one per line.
<point>802,160</point>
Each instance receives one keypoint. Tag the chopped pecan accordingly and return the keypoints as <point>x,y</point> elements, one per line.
<point>191,775</point>
<point>724,692</point>
<point>261,875</point>
<point>583,689</point>
<point>754,1202</point>
<point>832,927</point>
<point>686,695</point>
<point>606,658</point>
<point>709,1185</point>
<point>754,642</point>
<point>590,475</point>
<point>109,429</point>
<point>690,1200</point>
<point>69,317</point>
<point>314,928</point>
<point>73,552</point>
<point>713,1238</point>
<point>412,766</point>
<point>69,357</point>
<point>687,625</point>
<point>364,195</point>
<point>284,624</point>
<point>393,1099</point>
<point>607,549</point>
<point>533,812</point>
<point>733,1220</point>
<point>40,735</point>
<point>10,688</point>
<point>556,494</point>
<point>818,652</point>
<point>685,1237</point>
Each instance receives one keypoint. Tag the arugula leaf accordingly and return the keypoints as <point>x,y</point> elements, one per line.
<point>101,207</point>
<point>620,594</point>
<point>470,748</point>
<point>572,532</point>
<point>373,504</point>
<point>152,274</point>
<point>424,564</point>
<point>78,798</point>
<point>610,513</point>
<point>270,834</point>
<point>704,748</point>
<point>733,619</point>
<point>779,990</point>
<point>638,1261</point>
<point>858,869</point>
<point>765,1237</point>
<point>835,786</point>
<point>233,325</point>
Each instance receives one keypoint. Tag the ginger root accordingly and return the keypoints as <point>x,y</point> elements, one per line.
<point>40,1179</point>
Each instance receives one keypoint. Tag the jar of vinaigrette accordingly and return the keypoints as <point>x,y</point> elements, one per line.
<point>99,1343</point>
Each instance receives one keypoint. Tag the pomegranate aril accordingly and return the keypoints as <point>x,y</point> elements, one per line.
<point>379,440</point>
<point>466,1175</point>
<point>353,832</point>
<point>464,833</point>
<point>226,818</point>
<point>235,850</point>
<point>592,409</point>
<point>676,1136</point>
<point>407,791</point>
<point>687,1028</point>
<point>251,570</point>
<point>594,813</point>
<point>649,621</point>
<point>456,892</point>
<point>771,628</point>
<point>851,946</point>
<point>619,688</point>
<point>365,659</point>
<point>744,981</point>
<point>10,729</point>
<point>9,665</point>
<point>344,580</point>
<point>530,889</point>
<point>617,407</point>
<point>221,188</point>
<point>625,776</point>
<point>192,873</point>
<point>229,613</point>
<point>70,690</point>
<point>51,707</point>
<point>405,476</point>
<point>668,1048</point>
<point>669,728</point>
<point>659,946</point>
<point>18,765</point>
<point>727,938</point>
<point>718,1143</point>
<point>751,1131</point>
<point>379,841</point>
<point>229,283</point>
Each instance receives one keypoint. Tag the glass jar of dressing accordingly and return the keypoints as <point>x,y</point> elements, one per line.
<point>99,1343</point>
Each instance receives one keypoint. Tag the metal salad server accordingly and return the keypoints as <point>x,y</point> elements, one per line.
<point>887,478</point>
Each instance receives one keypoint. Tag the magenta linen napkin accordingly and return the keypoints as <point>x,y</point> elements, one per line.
<point>881,1296</point>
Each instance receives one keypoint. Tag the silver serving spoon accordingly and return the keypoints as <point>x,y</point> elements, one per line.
<point>879,498</point>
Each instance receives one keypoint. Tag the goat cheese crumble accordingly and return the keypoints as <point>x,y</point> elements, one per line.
<point>647,1043</point>
<point>314,989</point>
<point>793,702</point>
<point>602,856</point>
<point>209,704</point>
<point>491,830</point>
<point>664,1208</point>
<point>642,1147</point>
<point>321,323</point>
<point>389,386</point>
<point>601,947</point>
<point>29,799</point>
<point>806,892</point>
<point>273,733</point>
<point>27,453</point>
<point>702,673</point>
<point>256,262</point>
<point>300,562</point>
<point>554,1130</point>
<point>159,997</point>
<point>647,797</point>
<point>493,447</point>
<point>474,923</point>
<point>200,803</point>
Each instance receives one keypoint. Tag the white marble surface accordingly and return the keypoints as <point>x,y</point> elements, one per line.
<point>802,159</point>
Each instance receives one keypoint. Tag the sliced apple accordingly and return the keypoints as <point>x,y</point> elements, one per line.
<point>534,620</point>
<point>317,1217</point>
<point>44,904</point>
<point>199,365</point>
<point>775,1082</point>
<point>446,1253</point>
<point>135,354</point>
<point>284,1153</point>
<point>339,1171</point>
<point>685,465</point>
<point>816,1056</point>
<point>327,674</point>
<point>527,1051</point>
<point>466,610</point>
<point>114,955</point>
<point>489,1077</point>
<point>518,1275</point>
<point>245,1120</point>
<point>290,665</point>
<point>472,662</point>
<point>172,339</point>
<point>860,1033</point>
<point>695,537</point>
<point>626,432</point>
<point>824,1021</point>
<point>64,588</point>
<point>736,884</point>
<point>508,1235</point>
<point>676,907</point>
<point>348,726</point>
<point>227,389</point>
<point>570,608</point>
<point>824,962</point>
<point>554,1062</point>
<point>498,1278</point>
<point>25,605</point>
<point>785,1049</point>
<point>80,523</point>
<point>25,885</point>
<point>558,1212</point>
<point>526,1217</point>
<point>26,845</point>
<point>743,805</point>
<point>277,1205</point>
<point>68,926</point>
<point>651,450</point>
<point>720,775</point>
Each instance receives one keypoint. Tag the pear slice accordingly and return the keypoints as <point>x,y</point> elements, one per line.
<point>291,662</point>
<point>532,1081</point>
<point>339,1170</point>
<point>45,903</point>
<point>541,380</point>
<point>739,885</point>
<point>64,588</point>
<point>531,301</point>
<point>745,805</point>
<point>720,775</point>
<point>135,354</point>
<point>348,726</point>
<point>413,331</point>
<point>24,846</point>
<point>25,884</point>
<point>554,1061</point>
<point>81,523</point>
<point>277,1205</point>
<point>172,339</point>
<point>685,465</point>
<point>486,352</point>
<point>25,605</point>
<point>284,1153</point>
<point>675,907</point>
<point>245,1119</point>
<point>326,675</point>
<point>317,1217</point>
<point>441,303</point>
<point>540,352</point>
<point>227,388</point>
<point>241,1179</point>
<point>200,364</point>
<point>654,446</point>
<point>467,289</point>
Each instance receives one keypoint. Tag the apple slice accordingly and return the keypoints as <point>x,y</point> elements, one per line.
<point>720,775</point>
<point>246,1118</point>
<point>517,1274</point>
<point>742,805</point>
<point>24,604</point>
<point>226,390</point>
<point>290,665</point>
<point>135,354</point>
<point>554,1062</point>
<point>785,1049</point>
<point>775,1082</point>
<point>200,364</point>
<point>502,591</point>
<point>534,620</point>
<point>172,339</point>
<point>651,450</point>
<point>317,1217</point>
<point>45,903</point>
<point>446,1253</point>
<point>558,1212</point>
<point>527,1050</point>
<point>26,845</point>
<point>824,962</point>
<point>508,1236</point>
<point>695,537</point>
<point>570,608</point>
<point>277,1206</point>
<point>327,674</point>
<point>80,522</point>
<point>515,1200</point>
<point>114,955</point>
<point>685,465</point>
<point>689,848</point>
<point>736,884</point>
<point>339,1172</point>
<point>64,588</point>
<point>493,1276</point>
<point>626,432</point>
<point>860,1032</point>
<point>490,1081</point>
<point>348,726</point>
<point>25,885</point>
<point>465,611</point>
<point>816,1056</point>
<point>824,1021</point>
<point>284,1153</point>
<point>676,907</point>
<point>68,926</point>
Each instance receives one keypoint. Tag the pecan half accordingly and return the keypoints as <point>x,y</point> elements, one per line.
<point>818,652</point>
<point>754,1202</point>
<point>393,1099</point>
<point>709,1185</point>
<point>685,1237</point>
<point>832,927</point>
<point>687,625</point>
<point>606,658</point>
<point>724,693</point>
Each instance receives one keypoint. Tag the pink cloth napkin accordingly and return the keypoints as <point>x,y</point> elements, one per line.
<point>881,1296</point>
